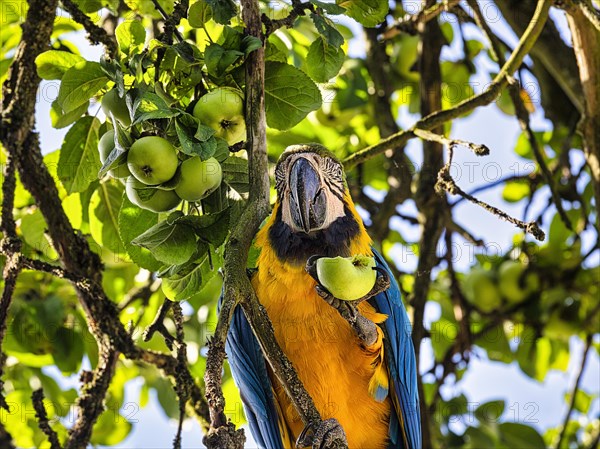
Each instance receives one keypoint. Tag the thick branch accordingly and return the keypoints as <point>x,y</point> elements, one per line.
<point>435,119</point>
<point>586,42</point>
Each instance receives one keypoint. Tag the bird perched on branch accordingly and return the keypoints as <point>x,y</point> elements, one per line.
<point>355,358</point>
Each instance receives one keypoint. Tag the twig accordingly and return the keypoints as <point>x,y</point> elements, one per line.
<point>435,119</point>
<point>6,439</point>
<point>563,432</point>
<point>42,418</point>
<point>158,325</point>
<point>95,34</point>
<point>588,10</point>
<point>478,149</point>
<point>446,183</point>
<point>298,9</point>
<point>171,22</point>
<point>410,22</point>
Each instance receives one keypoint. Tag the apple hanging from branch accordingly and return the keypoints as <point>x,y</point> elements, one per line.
<point>223,110</point>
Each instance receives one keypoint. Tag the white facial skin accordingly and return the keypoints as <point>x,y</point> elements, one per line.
<point>324,167</point>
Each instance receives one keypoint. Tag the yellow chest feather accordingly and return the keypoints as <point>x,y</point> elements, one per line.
<point>330,360</point>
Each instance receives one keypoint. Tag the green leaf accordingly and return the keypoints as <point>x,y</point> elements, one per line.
<point>80,83</point>
<point>235,173</point>
<point>323,60</point>
<point>189,281</point>
<point>172,244</point>
<point>289,95</point>
<point>490,412</point>
<point>583,401</point>
<point>150,106</point>
<point>52,64</point>
<point>134,221</point>
<point>327,30</point>
<point>199,13</point>
<point>79,158</point>
<point>218,59</point>
<point>131,36</point>
<point>223,10</point>
<point>495,342</point>
<point>514,192</point>
<point>369,13</point>
<point>187,127</point>
<point>60,119</point>
<point>211,228</point>
<point>520,436</point>
<point>104,216</point>
<point>331,8</point>
<point>249,44</point>
<point>88,6</point>
<point>110,429</point>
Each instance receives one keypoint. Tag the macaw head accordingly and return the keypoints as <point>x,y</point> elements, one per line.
<point>314,214</point>
<point>311,186</point>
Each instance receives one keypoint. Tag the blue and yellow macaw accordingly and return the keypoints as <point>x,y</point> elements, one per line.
<point>360,372</point>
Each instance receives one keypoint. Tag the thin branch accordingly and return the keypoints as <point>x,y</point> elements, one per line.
<point>298,10</point>
<point>446,183</point>
<point>6,439</point>
<point>410,22</point>
<point>171,22</point>
<point>586,351</point>
<point>158,325</point>
<point>42,418</point>
<point>182,388</point>
<point>435,119</point>
<point>95,34</point>
<point>588,10</point>
<point>478,149</point>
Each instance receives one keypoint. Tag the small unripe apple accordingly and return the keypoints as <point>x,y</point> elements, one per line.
<point>198,178</point>
<point>152,160</point>
<point>480,290</point>
<point>514,284</point>
<point>105,145</point>
<point>223,110</point>
<point>150,198</point>
<point>111,102</point>
<point>347,278</point>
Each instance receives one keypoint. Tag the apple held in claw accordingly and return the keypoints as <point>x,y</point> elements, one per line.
<point>105,146</point>
<point>481,291</point>
<point>223,110</point>
<point>111,102</point>
<point>150,198</point>
<point>152,160</point>
<point>347,278</point>
<point>198,178</point>
<point>516,285</point>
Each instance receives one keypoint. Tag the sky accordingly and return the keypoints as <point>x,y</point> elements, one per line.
<point>541,404</point>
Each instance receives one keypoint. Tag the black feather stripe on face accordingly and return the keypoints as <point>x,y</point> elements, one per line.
<point>296,247</point>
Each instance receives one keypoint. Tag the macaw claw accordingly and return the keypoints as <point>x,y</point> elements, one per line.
<point>327,434</point>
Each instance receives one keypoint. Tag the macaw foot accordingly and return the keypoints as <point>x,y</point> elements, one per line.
<point>326,434</point>
<point>365,329</point>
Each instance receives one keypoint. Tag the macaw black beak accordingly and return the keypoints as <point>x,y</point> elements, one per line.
<point>307,203</point>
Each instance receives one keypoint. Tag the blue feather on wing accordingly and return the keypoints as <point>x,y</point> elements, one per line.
<point>405,425</point>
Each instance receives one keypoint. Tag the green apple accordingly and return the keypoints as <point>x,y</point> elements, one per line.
<point>223,110</point>
<point>105,145</point>
<point>152,160</point>
<point>198,178</point>
<point>111,102</point>
<point>515,284</point>
<point>347,278</point>
<point>480,290</point>
<point>150,198</point>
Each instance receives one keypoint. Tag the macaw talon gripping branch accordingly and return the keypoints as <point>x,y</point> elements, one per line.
<point>328,433</point>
